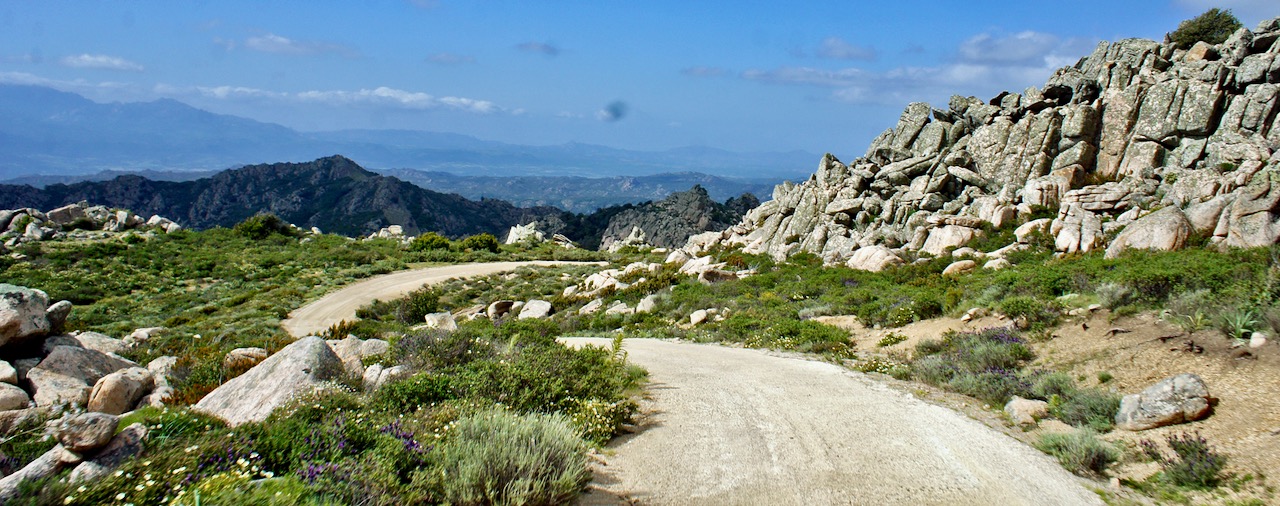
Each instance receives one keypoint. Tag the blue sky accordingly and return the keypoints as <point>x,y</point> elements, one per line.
<point>748,76</point>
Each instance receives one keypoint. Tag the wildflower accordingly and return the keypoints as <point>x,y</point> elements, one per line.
<point>120,496</point>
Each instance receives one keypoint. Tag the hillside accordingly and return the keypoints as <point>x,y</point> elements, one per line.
<point>1137,126</point>
<point>669,222</point>
<point>334,194</point>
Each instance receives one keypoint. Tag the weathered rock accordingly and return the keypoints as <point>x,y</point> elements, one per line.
<point>874,259</point>
<point>1174,400</point>
<point>1025,412</point>
<point>591,307</point>
<point>950,236</point>
<point>12,397</point>
<point>619,308</point>
<point>243,358</point>
<point>66,215</point>
<point>647,304</point>
<point>22,314</point>
<point>698,317</point>
<point>535,309</point>
<point>68,373</point>
<point>996,264</point>
<point>678,257</point>
<point>8,374</point>
<point>88,340</point>
<point>498,309</point>
<point>376,375</point>
<point>1257,339</point>
<point>57,315</point>
<point>960,267</point>
<point>12,419</point>
<point>142,335</point>
<point>442,321</point>
<point>124,445</point>
<point>294,370</point>
<point>349,352</point>
<point>87,432</point>
<point>525,234</point>
<point>118,392</point>
<point>48,464</point>
<point>1164,230</point>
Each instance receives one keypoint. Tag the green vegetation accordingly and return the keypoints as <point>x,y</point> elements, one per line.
<point>1193,464</point>
<point>1213,26</point>
<point>1080,452</point>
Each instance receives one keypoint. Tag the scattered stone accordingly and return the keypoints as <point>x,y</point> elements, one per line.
<point>961,267</point>
<point>87,432</point>
<point>376,375</point>
<point>349,352</point>
<point>647,304</point>
<point>121,447</point>
<point>57,315</point>
<point>1257,339</point>
<point>698,317</point>
<point>525,234</point>
<point>536,309</point>
<point>48,464</point>
<point>243,358</point>
<point>1174,400</point>
<point>619,307</point>
<point>498,309</point>
<point>294,370</point>
<point>374,348</point>
<point>874,259</point>
<point>441,321</point>
<point>1025,412</point>
<point>142,335</point>
<point>67,375</point>
<point>591,307</point>
<point>996,264</point>
<point>12,397</point>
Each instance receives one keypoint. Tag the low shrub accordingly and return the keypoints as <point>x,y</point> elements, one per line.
<point>499,457</point>
<point>1193,464</point>
<point>1086,407</point>
<point>1080,452</point>
<point>983,364</point>
<point>412,393</point>
<point>261,226</point>
<point>480,242</point>
<point>429,241</point>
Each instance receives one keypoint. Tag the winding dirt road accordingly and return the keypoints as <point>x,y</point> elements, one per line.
<point>341,305</point>
<point>740,426</point>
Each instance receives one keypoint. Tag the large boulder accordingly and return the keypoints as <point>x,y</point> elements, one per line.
<point>1174,400</point>
<point>67,375</point>
<point>87,432</point>
<point>12,397</point>
<point>874,259</point>
<point>118,392</point>
<point>57,315</point>
<point>88,340</point>
<point>1025,412</point>
<point>294,370</point>
<point>443,321</point>
<point>1165,230</point>
<point>122,446</point>
<point>22,313</point>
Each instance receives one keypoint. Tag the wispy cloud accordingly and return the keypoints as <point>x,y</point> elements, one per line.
<point>982,64</point>
<point>99,61</point>
<point>450,59</point>
<point>837,49</point>
<point>277,44</point>
<point>381,96</point>
<point>539,47</point>
<point>702,71</point>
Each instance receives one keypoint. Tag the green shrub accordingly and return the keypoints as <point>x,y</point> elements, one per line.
<point>1193,464</point>
<point>1080,452</point>
<point>480,242</point>
<point>598,420</point>
<point>986,365</point>
<point>891,339</point>
<point>1114,295</point>
<point>1238,323</point>
<point>498,457</point>
<point>1086,407</point>
<point>1038,313</point>
<point>429,241</point>
<point>170,424</point>
<point>1213,26</point>
<point>409,394</point>
<point>261,226</point>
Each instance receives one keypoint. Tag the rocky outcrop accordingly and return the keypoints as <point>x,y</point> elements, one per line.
<point>1135,127</point>
<point>22,314</point>
<point>78,219</point>
<point>669,222</point>
<point>252,396</point>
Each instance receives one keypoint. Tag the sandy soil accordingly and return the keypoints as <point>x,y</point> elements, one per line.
<point>342,304</point>
<point>738,426</point>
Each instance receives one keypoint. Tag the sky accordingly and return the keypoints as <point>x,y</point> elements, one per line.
<point>818,76</point>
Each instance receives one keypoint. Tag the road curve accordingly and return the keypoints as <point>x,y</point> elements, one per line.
<point>341,305</point>
<point>741,426</point>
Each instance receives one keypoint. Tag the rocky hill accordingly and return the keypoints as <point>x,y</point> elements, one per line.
<point>1139,144</point>
<point>669,222</point>
<point>334,194</point>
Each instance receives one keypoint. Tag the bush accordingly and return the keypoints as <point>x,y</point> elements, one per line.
<point>984,364</point>
<point>1194,464</point>
<point>1086,407</point>
<point>498,457</point>
<point>1214,27</point>
<point>480,242</point>
<point>1080,452</point>
<point>261,226</point>
<point>429,241</point>
<point>410,394</point>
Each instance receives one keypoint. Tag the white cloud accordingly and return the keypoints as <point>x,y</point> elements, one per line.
<point>382,96</point>
<point>272,43</point>
<point>985,63</point>
<point>100,61</point>
<point>450,59</point>
<point>837,49</point>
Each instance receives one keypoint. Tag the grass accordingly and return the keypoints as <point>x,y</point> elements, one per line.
<point>1080,452</point>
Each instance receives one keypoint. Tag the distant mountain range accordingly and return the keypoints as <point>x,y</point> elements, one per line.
<point>337,195</point>
<point>48,132</point>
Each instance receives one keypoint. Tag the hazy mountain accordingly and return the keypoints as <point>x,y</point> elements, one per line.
<point>333,193</point>
<point>50,132</point>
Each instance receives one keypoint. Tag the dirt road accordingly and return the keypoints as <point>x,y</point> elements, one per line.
<point>342,304</point>
<point>740,426</point>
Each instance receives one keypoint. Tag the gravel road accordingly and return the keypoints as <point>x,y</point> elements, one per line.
<point>740,426</point>
<point>341,305</point>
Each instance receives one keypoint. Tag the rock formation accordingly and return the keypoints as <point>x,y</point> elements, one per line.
<point>1137,126</point>
<point>669,222</point>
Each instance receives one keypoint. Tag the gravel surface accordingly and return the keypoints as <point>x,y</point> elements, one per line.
<point>341,305</point>
<point>740,426</point>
